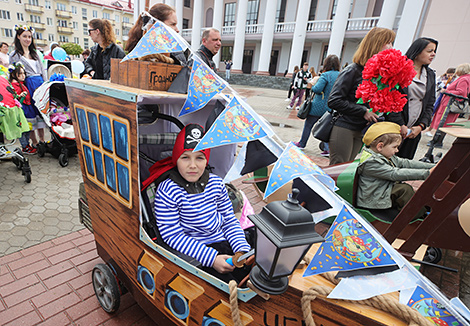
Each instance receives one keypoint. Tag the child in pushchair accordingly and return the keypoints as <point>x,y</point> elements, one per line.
<point>51,100</point>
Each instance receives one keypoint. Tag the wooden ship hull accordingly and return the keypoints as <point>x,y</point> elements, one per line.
<point>169,289</point>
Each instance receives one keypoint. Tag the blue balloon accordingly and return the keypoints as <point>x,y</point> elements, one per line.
<point>59,54</point>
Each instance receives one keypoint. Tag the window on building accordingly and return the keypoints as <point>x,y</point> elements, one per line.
<point>75,26</point>
<point>34,2</point>
<point>18,2</point>
<point>85,43</point>
<point>84,14</point>
<point>47,5</point>
<point>76,40</point>
<point>125,31</point>
<point>125,20</point>
<point>281,11</point>
<point>85,29</point>
<point>63,38</point>
<point>313,10</point>
<point>62,23</point>
<point>229,17</point>
<point>187,3</point>
<point>37,36</point>
<point>226,53</point>
<point>50,22</point>
<point>7,32</point>
<point>51,37</point>
<point>252,12</point>
<point>19,16</point>
<point>323,55</point>
<point>35,19</point>
<point>116,31</point>
<point>185,23</point>
<point>4,14</point>
<point>335,5</point>
<point>116,18</point>
<point>61,6</point>
<point>95,13</point>
<point>377,8</point>
<point>73,9</point>
<point>106,15</point>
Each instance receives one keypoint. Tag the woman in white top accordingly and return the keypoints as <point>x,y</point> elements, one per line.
<point>26,53</point>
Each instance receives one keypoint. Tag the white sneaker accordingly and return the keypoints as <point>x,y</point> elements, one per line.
<point>428,134</point>
<point>287,99</point>
<point>297,108</point>
<point>289,107</point>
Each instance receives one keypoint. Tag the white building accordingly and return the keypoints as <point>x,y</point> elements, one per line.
<point>271,36</point>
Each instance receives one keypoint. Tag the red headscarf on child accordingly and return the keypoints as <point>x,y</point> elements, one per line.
<point>186,140</point>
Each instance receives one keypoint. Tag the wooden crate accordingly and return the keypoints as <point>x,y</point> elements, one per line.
<point>154,76</point>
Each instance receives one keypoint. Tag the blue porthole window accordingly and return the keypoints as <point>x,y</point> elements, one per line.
<point>94,131</point>
<point>110,172</point>
<point>83,124</point>
<point>121,140</point>
<point>123,180</point>
<point>89,160</point>
<point>98,165</point>
<point>106,133</point>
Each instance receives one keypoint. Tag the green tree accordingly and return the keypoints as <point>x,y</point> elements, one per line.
<point>72,48</point>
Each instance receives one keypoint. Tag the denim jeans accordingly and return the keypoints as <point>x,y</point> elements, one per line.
<point>309,122</point>
<point>227,74</point>
<point>24,139</point>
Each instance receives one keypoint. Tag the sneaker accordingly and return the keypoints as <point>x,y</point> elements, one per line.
<point>297,108</point>
<point>296,143</point>
<point>289,107</point>
<point>325,154</point>
<point>29,150</point>
<point>428,134</point>
<point>287,99</point>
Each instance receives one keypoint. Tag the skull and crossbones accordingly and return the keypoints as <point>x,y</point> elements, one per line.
<point>195,136</point>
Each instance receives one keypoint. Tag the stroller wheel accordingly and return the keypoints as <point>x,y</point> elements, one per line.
<point>41,149</point>
<point>322,146</point>
<point>27,176</point>
<point>63,160</point>
<point>433,255</point>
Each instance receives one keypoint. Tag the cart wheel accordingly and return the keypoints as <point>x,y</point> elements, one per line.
<point>433,255</point>
<point>63,160</point>
<point>41,149</point>
<point>106,288</point>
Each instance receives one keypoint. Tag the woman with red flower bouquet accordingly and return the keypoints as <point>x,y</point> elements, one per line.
<point>421,94</point>
<point>346,136</point>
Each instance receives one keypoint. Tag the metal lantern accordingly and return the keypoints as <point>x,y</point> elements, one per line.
<point>285,231</point>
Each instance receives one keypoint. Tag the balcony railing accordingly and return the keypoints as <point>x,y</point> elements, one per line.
<point>186,32</point>
<point>254,29</point>
<point>64,30</point>
<point>37,26</point>
<point>33,8</point>
<point>319,25</point>
<point>228,30</point>
<point>40,42</point>
<point>362,24</point>
<point>284,27</point>
<point>63,14</point>
<point>127,25</point>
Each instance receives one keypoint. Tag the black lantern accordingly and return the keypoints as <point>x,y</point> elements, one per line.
<point>285,231</point>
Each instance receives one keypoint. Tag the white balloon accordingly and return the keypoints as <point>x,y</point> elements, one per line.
<point>77,66</point>
<point>464,216</point>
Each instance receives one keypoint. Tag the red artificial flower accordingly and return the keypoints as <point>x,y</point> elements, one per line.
<point>366,90</point>
<point>386,101</point>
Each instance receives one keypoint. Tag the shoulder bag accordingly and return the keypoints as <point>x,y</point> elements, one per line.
<point>460,107</point>
<point>305,108</point>
<point>324,125</point>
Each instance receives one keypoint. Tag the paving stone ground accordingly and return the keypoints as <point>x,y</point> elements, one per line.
<point>46,255</point>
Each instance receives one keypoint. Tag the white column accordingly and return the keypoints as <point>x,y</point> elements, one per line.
<point>267,40</point>
<point>239,43</point>
<point>408,24</point>
<point>179,14</point>
<point>197,25</point>
<point>338,28</point>
<point>388,14</point>
<point>217,24</point>
<point>257,55</point>
<point>300,32</point>
<point>284,58</point>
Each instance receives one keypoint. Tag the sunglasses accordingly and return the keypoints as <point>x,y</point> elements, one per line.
<point>91,30</point>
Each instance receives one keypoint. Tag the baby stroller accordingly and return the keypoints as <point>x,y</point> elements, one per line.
<point>439,135</point>
<point>10,152</point>
<point>51,100</point>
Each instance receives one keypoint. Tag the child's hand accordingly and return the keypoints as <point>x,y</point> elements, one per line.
<point>221,266</point>
<point>23,94</point>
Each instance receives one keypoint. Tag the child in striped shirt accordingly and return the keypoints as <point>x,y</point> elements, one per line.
<point>194,213</point>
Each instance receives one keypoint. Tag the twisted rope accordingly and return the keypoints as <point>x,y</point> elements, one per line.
<point>384,303</point>
<point>232,285</point>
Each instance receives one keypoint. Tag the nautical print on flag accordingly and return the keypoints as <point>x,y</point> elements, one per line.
<point>203,85</point>
<point>158,39</point>
<point>294,163</point>
<point>237,123</point>
<point>348,246</point>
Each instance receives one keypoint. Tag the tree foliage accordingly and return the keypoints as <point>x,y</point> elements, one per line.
<point>72,48</point>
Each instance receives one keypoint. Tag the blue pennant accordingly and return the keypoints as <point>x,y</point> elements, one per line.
<point>158,39</point>
<point>348,246</point>
<point>204,84</point>
<point>237,123</point>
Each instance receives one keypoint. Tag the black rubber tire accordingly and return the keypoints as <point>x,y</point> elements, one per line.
<point>63,160</point>
<point>41,149</point>
<point>433,255</point>
<point>27,177</point>
<point>106,288</point>
<point>322,146</point>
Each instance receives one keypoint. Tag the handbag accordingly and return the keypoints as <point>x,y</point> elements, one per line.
<point>460,107</point>
<point>305,108</point>
<point>324,125</point>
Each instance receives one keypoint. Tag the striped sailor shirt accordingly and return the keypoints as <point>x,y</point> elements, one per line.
<point>187,222</point>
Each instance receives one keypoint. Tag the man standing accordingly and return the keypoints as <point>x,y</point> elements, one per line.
<point>300,84</point>
<point>211,43</point>
<point>228,66</point>
<point>4,59</point>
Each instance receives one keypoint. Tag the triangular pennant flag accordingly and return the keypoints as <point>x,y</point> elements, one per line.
<point>158,39</point>
<point>348,246</point>
<point>257,156</point>
<point>203,85</point>
<point>237,123</point>
<point>294,163</point>
<point>367,286</point>
<point>431,308</point>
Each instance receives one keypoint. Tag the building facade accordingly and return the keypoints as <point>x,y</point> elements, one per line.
<point>63,21</point>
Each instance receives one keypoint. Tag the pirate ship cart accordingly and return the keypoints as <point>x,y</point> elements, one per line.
<point>120,132</point>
